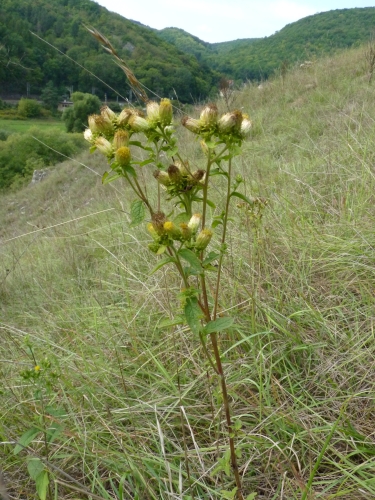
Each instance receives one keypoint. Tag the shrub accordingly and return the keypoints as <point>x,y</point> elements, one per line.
<point>75,118</point>
<point>29,108</point>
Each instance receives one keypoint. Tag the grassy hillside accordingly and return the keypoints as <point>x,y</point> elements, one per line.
<point>130,405</point>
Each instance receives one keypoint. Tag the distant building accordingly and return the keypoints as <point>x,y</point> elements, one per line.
<point>64,104</point>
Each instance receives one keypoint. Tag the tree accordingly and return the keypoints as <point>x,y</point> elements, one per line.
<point>50,97</point>
<point>75,118</point>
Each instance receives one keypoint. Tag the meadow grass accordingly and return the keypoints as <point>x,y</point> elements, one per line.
<point>22,126</point>
<point>140,415</point>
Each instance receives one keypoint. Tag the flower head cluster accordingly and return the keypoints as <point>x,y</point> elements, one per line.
<point>233,124</point>
<point>179,178</point>
<point>109,132</point>
<point>164,232</point>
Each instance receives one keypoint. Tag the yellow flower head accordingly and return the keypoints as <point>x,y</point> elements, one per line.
<point>123,156</point>
<point>166,112</point>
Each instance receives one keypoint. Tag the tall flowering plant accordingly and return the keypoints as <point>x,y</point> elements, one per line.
<point>183,240</point>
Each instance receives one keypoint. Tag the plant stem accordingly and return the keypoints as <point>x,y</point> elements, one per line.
<point>223,237</point>
<point>228,418</point>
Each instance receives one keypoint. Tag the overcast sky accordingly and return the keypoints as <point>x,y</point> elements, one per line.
<point>224,20</point>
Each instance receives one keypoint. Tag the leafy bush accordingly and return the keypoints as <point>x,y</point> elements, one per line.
<point>75,118</point>
<point>29,108</point>
<point>18,150</point>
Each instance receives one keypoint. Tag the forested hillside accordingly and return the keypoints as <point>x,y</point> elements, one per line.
<point>257,59</point>
<point>25,59</point>
<point>170,62</point>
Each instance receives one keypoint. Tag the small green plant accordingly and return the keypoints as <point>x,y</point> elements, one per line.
<point>180,226</point>
<point>46,426</point>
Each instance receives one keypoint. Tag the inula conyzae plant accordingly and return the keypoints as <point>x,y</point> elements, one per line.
<point>183,238</point>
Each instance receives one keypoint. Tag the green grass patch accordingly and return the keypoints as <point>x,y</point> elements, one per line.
<point>23,126</point>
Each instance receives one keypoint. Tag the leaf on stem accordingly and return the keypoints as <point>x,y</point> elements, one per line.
<point>191,258</point>
<point>162,263</point>
<point>35,466</point>
<point>26,439</point>
<point>137,212</point>
<point>218,325</point>
<point>193,314</point>
<point>177,320</point>
<point>242,197</point>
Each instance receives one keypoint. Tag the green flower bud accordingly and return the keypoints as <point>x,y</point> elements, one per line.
<point>162,177</point>
<point>230,122</point>
<point>186,232</point>
<point>174,174</point>
<point>153,115</point>
<point>120,139</point>
<point>108,115</point>
<point>194,222</point>
<point>98,125</point>
<point>183,167</point>
<point>203,239</point>
<point>138,124</point>
<point>123,156</point>
<point>152,231</point>
<point>104,146</point>
<point>198,175</point>
<point>124,116</point>
<point>208,117</point>
<point>166,112</point>
<point>154,247</point>
<point>245,126</point>
<point>173,231</point>
<point>205,148</point>
<point>191,124</point>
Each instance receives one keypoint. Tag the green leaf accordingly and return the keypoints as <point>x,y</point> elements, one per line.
<point>242,197</point>
<point>136,143</point>
<point>144,162</point>
<point>53,432</point>
<point>212,144</point>
<point>162,263</point>
<point>191,258</point>
<point>210,257</point>
<point>211,204</point>
<point>182,217</point>
<point>177,320</point>
<point>218,171</point>
<point>216,223</point>
<point>229,495</point>
<point>193,314</point>
<point>161,250</point>
<point>218,325</point>
<point>130,170</point>
<point>107,177</point>
<point>251,496</point>
<point>41,483</point>
<point>137,212</point>
<point>35,467</point>
<point>26,439</point>
<point>171,152</point>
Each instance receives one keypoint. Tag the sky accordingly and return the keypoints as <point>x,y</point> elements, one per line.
<point>224,20</point>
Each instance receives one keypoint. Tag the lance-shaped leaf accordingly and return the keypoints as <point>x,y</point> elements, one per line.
<point>218,325</point>
<point>137,212</point>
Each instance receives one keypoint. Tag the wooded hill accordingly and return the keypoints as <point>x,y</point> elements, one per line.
<point>256,59</point>
<point>170,62</point>
<point>24,58</point>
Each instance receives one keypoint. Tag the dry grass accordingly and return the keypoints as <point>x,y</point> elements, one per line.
<point>137,406</point>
